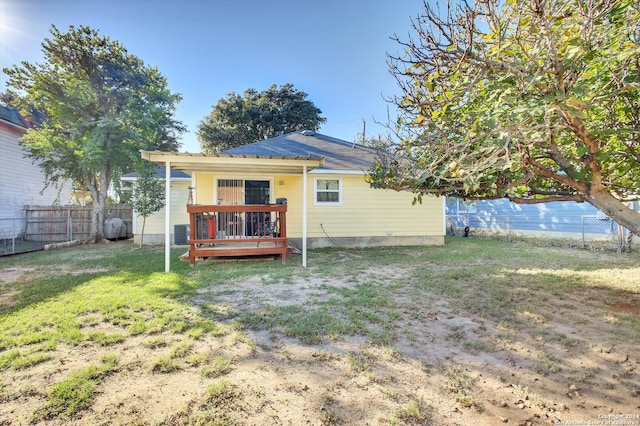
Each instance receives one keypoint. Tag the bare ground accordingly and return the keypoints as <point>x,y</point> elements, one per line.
<point>445,368</point>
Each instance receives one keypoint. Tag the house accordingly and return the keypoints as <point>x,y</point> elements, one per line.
<point>154,226</point>
<point>21,179</point>
<point>320,180</point>
<point>567,219</point>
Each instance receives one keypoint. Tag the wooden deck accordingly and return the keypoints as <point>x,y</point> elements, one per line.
<point>242,230</point>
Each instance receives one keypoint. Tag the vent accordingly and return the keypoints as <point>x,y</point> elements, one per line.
<point>307,132</point>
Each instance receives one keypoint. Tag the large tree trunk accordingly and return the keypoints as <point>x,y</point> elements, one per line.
<point>99,190</point>
<point>96,230</point>
<point>615,209</point>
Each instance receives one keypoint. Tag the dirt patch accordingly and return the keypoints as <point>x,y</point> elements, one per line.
<point>9,275</point>
<point>13,274</point>
<point>625,308</point>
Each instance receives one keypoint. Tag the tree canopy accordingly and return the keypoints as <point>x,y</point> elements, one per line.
<point>242,119</point>
<point>534,101</point>
<point>93,106</point>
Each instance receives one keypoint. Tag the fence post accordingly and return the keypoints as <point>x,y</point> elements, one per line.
<point>13,235</point>
<point>69,231</point>
<point>582,220</point>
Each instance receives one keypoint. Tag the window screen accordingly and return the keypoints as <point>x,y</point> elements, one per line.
<point>328,191</point>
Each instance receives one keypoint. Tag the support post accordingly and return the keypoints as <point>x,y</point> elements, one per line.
<point>167,217</point>
<point>304,216</point>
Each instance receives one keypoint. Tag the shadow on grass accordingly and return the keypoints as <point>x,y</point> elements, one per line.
<point>42,289</point>
<point>48,275</point>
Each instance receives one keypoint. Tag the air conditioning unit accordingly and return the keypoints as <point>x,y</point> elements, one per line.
<point>181,235</point>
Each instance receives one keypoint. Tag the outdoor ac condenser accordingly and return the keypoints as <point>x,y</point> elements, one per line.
<point>180,234</point>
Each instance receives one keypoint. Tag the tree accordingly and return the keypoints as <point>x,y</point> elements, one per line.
<point>148,196</point>
<point>534,101</point>
<point>379,141</point>
<point>239,120</point>
<point>93,107</point>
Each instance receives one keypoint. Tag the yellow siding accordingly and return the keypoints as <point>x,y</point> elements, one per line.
<point>155,222</point>
<point>204,188</point>
<point>365,212</point>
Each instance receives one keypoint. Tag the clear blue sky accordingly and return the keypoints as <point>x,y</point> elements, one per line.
<point>334,50</point>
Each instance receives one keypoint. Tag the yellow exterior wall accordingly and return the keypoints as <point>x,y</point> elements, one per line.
<point>204,184</point>
<point>368,212</point>
<point>365,212</point>
<point>154,227</point>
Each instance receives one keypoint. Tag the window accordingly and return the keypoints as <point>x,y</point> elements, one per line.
<point>328,191</point>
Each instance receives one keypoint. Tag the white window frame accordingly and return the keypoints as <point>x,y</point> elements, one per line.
<point>327,203</point>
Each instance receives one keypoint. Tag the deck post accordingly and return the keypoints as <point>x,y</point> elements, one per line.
<point>167,217</point>
<point>304,216</point>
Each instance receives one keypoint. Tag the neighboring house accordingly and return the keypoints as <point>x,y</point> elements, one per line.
<point>21,180</point>
<point>340,208</point>
<point>155,224</point>
<point>554,219</point>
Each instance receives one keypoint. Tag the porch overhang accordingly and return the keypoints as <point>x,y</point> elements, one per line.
<point>228,163</point>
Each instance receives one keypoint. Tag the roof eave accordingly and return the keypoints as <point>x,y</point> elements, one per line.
<point>225,163</point>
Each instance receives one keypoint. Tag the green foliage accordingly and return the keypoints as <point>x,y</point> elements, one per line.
<point>239,120</point>
<point>93,106</point>
<point>531,101</point>
<point>148,196</point>
<point>148,193</point>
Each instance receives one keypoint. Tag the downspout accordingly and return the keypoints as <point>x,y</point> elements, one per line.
<point>167,216</point>
<point>304,216</point>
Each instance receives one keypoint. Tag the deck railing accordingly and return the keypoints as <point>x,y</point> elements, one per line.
<point>240,230</point>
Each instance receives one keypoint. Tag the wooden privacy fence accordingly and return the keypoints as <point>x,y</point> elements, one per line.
<point>66,223</point>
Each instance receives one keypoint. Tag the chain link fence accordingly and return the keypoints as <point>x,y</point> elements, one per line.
<point>12,237</point>
<point>584,231</point>
<point>42,225</point>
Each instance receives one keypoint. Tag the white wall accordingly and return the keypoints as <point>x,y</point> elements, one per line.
<point>21,182</point>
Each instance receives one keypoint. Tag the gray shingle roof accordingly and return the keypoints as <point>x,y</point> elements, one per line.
<point>338,154</point>
<point>12,116</point>
<point>160,174</point>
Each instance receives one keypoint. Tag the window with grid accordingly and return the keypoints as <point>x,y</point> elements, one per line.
<point>328,191</point>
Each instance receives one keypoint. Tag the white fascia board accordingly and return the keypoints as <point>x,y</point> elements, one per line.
<point>336,172</point>
<point>175,179</point>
